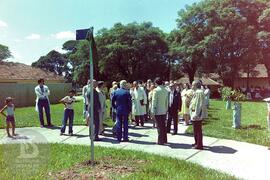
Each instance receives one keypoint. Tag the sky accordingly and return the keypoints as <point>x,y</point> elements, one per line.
<point>32,28</point>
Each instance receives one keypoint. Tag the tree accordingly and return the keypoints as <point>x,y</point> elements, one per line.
<point>186,41</point>
<point>133,51</point>
<point>264,37</point>
<point>230,39</point>
<point>79,59</point>
<point>54,62</point>
<point>4,52</point>
<point>218,36</point>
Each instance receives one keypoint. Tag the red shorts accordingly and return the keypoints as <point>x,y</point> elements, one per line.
<point>10,119</point>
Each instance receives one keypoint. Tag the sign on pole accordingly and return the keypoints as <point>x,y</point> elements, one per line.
<point>87,34</point>
<point>82,34</point>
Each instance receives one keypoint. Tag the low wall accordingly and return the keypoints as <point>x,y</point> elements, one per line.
<point>24,94</point>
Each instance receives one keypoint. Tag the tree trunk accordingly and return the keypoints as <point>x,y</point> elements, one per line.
<point>267,66</point>
<point>268,73</point>
<point>191,75</point>
<point>248,75</point>
<point>169,70</point>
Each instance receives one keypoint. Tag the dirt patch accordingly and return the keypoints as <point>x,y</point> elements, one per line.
<point>104,169</point>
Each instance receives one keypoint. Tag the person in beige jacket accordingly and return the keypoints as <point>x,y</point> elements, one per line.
<point>102,112</point>
<point>159,109</point>
<point>198,113</point>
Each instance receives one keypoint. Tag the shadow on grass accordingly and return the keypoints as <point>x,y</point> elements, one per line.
<point>209,121</point>
<point>253,126</point>
<point>213,109</point>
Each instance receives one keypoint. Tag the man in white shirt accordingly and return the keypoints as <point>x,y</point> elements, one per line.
<point>42,101</point>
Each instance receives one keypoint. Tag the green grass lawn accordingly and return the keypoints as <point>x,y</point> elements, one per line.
<point>60,161</point>
<point>28,117</point>
<point>254,124</point>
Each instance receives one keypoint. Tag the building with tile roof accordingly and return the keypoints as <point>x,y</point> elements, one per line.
<point>22,73</point>
<point>19,80</point>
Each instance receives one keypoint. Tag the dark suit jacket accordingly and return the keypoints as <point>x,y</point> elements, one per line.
<point>177,102</point>
<point>97,105</point>
<point>121,101</point>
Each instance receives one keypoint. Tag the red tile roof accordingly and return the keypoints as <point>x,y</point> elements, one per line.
<point>19,71</point>
<point>260,71</point>
<point>205,81</point>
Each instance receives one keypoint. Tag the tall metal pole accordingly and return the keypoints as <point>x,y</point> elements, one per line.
<point>91,124</point>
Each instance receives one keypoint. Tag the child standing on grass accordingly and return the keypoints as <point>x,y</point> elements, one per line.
<point>10,119</point>
<point>68,101</point>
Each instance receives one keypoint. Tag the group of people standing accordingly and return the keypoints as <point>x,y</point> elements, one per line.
<point>99,104</point>
<point>161,102</point>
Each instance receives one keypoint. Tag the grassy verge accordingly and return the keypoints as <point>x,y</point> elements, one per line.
<point>254,124</point>
<point>28,117</point>
<point>65,162</point>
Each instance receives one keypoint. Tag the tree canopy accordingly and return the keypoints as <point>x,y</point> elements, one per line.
<point>133,51</point>
<point>4,52</point>
<point>54,62</point>
<point>218,36</point>
<point>212,36</point>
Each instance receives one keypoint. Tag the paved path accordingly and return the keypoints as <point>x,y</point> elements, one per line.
<point>244,160</point>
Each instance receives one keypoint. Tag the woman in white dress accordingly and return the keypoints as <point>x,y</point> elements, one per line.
<point>138,104</point>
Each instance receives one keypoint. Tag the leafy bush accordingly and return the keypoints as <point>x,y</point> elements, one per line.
<point>237,95</point>
<point>226,93</point>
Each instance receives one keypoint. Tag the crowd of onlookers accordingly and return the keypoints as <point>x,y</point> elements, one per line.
<point>158,101</point>
<point>255,93</point>
<point>146,89</point>
<point>164,103</point>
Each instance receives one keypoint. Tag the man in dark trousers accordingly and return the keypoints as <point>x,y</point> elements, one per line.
<point>175,103</point>
<point>97,109</point>
<point>160,109</point>
<point>121,101</point>
<point>42,102</point>
<point>198,113</point>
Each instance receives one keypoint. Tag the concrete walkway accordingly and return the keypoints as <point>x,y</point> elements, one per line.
<point>243,160</point>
